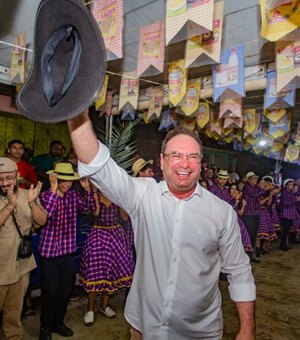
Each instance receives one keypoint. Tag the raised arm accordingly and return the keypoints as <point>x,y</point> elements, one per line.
<point>83,137</point>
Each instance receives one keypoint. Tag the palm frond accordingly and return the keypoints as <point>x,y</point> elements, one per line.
<point>122,147</point>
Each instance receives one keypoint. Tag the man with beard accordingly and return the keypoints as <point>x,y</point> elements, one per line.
<point>22,205</point>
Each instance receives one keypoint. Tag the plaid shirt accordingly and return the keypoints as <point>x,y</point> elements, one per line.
<point>287,206</point>
<point>222,193</point>
<point>251,195</point>
<point>58,237</point>
<point>108,215</point>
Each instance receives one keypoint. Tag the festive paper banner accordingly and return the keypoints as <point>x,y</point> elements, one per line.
<point>274,100</point>
<point>291,153</point>
<point>276,150</point>
<point>275,114</point>
<point>279,128</point>
<point>168,121</point>
<point>17,65</point>
<point>106,109</point>
<point>251,120</point>
<point>109,15</point>
<point>205,49</point>
<point>186,19</point>
<point>100,100</point>
<point>151,50</point>
<point>229,74</point>
<point>155,102</point>
<point>297,136</point>
<point>227,131</point>
<point>233,122</point>
<point>190,102</point>
<point>129,92</point>
<point>288,62</point>
<point>202,117</point>
<point>215,122</point>
<point>230,105</point>
<point>177,81</point>
<point>189,123</point>
<point>279,18</point>
<point>128,115</point>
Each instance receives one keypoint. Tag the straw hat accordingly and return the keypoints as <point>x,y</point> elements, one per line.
<point>223,174</point>
<point>250,174</point>
<point>64,171</point>
<point>286,181</point>
<point>69,63</point>
<point>138,165</point>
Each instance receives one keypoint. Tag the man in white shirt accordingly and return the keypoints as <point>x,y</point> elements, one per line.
<point>184,237</point>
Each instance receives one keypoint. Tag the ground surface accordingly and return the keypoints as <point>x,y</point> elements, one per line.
<point>278,306</point>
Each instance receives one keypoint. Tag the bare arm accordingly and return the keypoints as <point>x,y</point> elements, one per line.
<point>83,138</point>
<point>246,311</point>
<point>39,215</point>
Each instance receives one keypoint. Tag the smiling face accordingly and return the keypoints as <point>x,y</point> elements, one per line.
<point>182,176</point>
<point>252,180</point>
<point>7,179</point>
<point>222,181</point>
<point>64,186</point>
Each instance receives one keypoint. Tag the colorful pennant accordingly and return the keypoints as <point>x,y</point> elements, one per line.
<point>109,15</point>
<point>151,50</point>
<point>205,49</point>
<point>100,100</point>
<point>190,102</point>
<point>202,118</point>
<point>17,65</point>
<point>177,81</point>
<point>185,20</point>
<point>129,91</point>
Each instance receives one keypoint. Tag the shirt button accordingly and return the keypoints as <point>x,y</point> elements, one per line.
<point>164,324</point>
<point>174,259</point>
<point>171,282</point>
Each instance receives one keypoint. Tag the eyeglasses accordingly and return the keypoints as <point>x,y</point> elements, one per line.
<point>176,157</point>
<point>7,179</point>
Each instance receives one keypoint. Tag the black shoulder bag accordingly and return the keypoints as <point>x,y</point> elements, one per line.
<point>25,248</point>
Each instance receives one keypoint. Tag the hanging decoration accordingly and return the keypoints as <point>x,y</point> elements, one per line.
<point>297,135</point>
<point>155,102</point>
<point>151,50</point>
<point>215,122</point>
<point>189,123</point>
<point>168,121</point>
<point>230,105</point>
<point>186,19</point>
<point>109,16</point>
<point>100,100</point>
<point>288,62</point>
<point>129,92</point>
<point>251,121</point>
<point>279,18</point>
<point>275,114</point>
<point>205,49</point>
<point>177,81</point>
<point>202,117</point>
<point>17,64</point>
<point>229,74</point>
<point>274,100</point>
<point>279,128</point>
<point>291,153</point>
<point>128,115</point>
<point>233,122</point>
<point>107,108</point>
<point>190,102</point>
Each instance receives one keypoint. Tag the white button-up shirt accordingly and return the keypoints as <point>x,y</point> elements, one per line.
<point>181,245</point>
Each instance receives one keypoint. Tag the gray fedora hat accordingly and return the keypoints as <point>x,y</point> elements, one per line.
<point>69,62</point>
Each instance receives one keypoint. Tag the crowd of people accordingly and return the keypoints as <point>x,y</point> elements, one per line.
<point>41,196</point>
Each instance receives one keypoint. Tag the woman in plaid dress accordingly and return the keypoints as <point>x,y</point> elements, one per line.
<point>107,263</point>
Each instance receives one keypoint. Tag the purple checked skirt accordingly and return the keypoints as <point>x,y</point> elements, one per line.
<point>275,218</point>
<point>245,235</point>
<point>107,263</point>
<point>266,230</point>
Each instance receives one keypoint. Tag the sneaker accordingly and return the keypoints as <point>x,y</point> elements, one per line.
<point>108,312</point>
<point>88,318</point>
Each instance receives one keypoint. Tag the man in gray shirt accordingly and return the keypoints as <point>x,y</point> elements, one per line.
<point>184,237</point>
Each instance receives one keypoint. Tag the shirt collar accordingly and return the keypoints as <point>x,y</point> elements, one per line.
<point>165,190</point>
